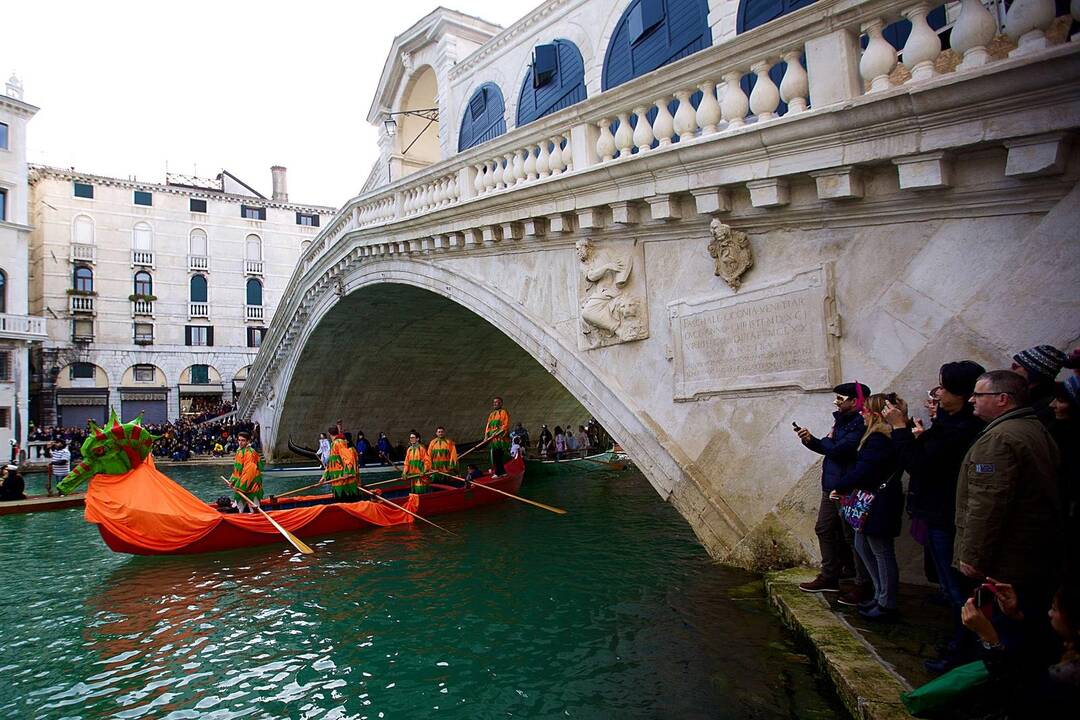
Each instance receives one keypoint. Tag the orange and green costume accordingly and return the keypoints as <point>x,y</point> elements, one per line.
<point>341,471</point>
<point>417,460</point>
<point>498,428</point>
<point>443,454</point>
<point>247,474</point>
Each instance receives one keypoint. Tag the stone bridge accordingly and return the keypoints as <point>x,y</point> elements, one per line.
<point>698,282</point>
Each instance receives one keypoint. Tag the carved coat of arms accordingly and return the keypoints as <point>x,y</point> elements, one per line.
<point>732,252</point>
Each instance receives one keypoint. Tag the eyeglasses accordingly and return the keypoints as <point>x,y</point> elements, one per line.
<point>841,399</point>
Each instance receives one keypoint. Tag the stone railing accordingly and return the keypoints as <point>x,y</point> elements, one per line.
<point>22,326</point>
<point>83,252</point>
<point>142,258</point>
<point>198,262</point>
<point>702,97</point>
<point>198,310</point>
<point>82,303</point>
<point>142,307</point>
<point>253,267</point>
<point>253,312</point>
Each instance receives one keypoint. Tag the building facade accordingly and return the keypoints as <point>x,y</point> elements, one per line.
<point>156,296</point>
<point>18,329</point>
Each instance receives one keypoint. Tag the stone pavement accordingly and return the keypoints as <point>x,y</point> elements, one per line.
<point>869,663</point>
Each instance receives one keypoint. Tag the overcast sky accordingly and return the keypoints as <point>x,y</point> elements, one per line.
<point>126,87</point>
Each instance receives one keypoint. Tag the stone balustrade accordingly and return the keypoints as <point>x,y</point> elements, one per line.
<point>25,327</point>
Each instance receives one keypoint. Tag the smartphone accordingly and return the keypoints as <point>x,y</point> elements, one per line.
<point>984,598</point>
<point>795,425</point>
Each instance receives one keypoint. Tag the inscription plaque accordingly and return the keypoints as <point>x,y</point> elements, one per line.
<point>779,336</point>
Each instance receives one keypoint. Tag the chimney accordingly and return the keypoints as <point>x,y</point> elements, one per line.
<point>281,194</point>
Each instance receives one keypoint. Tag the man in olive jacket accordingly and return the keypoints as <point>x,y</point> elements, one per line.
<point>1007,505</point>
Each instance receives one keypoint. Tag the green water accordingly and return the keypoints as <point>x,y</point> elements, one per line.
<point>611,611</point>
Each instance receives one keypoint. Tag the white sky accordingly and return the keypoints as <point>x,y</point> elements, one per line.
<point>126,87</point>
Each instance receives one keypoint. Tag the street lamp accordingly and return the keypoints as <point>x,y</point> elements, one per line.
<point>390,126</point>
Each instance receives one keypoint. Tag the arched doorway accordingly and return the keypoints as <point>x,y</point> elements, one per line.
<point>416,144</point>
<point>82,394</point>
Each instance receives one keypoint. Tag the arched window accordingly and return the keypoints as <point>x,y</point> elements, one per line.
<point>144,284</point>
<point>556,80</point>
<point>653,33</point>
<point>753,13</point>
<point>197,287</point>
<point>3,291</point>
<point>142,237</point>
<point>83,280</point>
<point>254,292</point>
<point>253,248</point>
<point>82,230</point>
<point>197,243</point>
<point>484,117</point>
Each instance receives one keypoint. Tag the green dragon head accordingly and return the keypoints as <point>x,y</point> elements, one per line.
<point>111,450</point>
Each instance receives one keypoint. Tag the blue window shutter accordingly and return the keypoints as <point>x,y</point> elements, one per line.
<point>483,120</point>
<point>477,104</point>
<point>566,88</point>
<point>644,17</point>
<point>545,64</point>
<point>653,33</point>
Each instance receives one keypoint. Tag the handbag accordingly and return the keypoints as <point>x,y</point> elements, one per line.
<point>945,691</point>
<point>855,506</point>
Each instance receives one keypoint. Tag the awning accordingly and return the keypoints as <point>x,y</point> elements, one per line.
<point>145,394</point>
<point>82,397</point>
<point>203,389</point>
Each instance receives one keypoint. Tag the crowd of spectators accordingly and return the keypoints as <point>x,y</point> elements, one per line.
<point>993,489</point>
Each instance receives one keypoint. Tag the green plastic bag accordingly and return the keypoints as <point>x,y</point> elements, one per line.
<point>947,689</point>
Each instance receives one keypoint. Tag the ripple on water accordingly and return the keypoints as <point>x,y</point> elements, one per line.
<point>610,610</point>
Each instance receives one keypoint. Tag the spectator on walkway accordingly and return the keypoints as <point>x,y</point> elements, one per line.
<point>324,449</point>
<point>1040,365</point>
<point>835,537</point>
<point>12,485</point>
<point>560,443</point>
<point>363,447</point>
<point>59,465</point>
<point>876,471</point>
<point>384,448</point>
<point>932,460</point>
<point>544,442</point>
<point>583,440</point>
<point>1008,511</point>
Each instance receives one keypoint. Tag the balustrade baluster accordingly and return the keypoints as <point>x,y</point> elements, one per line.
<point>508,170</point>
<point>543,168</point>
<point>735,104</point>
<point>479,183</point>
<point>500,183</point>
<point>567,155</point>
<point>643,133</point>
<point>878,59</point>
<point>685,117</point>
<point>519,167</point>
<point>624,136</point>
<point>489,176</point>
<point>923,45</point>
<point>765,97</point>
<point>795,86</point>
<point>708,111</point>
<point>1026,22</point>
<point>664,125</point>
<point>605,144</point>
<point>973,31</point>
<point>530,164</point>
<point>555,162</point>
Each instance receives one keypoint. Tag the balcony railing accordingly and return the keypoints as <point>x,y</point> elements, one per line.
<point>24,327</point>
<point>83,253</point>
<point>142,307</point>
<point>198,262</point>
<point>82,303</point>
<point>198,310</point>
<point>144,338</point>
<point>253,267</point>
<point>142,258</point>
<point>253,312</point>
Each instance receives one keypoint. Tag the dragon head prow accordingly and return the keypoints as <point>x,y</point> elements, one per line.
<point>114,449</point>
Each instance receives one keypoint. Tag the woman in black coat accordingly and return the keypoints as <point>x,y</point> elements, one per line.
<point>876,471</point>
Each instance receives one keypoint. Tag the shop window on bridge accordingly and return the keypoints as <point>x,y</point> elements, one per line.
<point>484,117</point>
<point>653,33</point>
<point>556,80</point>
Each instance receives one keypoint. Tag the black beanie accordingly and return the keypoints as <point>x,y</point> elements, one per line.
<point>959,377</point>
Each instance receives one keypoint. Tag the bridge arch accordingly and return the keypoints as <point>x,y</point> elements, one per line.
<point>497,335</point>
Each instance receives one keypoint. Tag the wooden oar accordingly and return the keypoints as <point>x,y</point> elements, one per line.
<point>407,512</point>
<point>477,445</point>
<point>300,490</point>
<point>473,483</point>
<point>296,542</point>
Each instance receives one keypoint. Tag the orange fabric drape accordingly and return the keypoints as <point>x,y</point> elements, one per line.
<point>145,508</point>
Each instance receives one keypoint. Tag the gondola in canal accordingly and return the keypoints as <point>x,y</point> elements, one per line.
<point>141,511</point>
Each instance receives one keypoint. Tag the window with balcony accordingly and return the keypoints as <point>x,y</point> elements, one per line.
<point>199,335</point>
<point>83,280</point>
<point>484,117</point>
<point>196,205</point>
<point>653,33</point>
<point>144,373</point>
<point>144,334</point>
<point>307,220</point>
<point>83,190</point>
<point>200,374</point>
<point>82,330</point>
<point>144,283</point>
<point>82,371</point>
<point>254,292</point>
<point>556,80</point>
<point>255,336</point>
<point>198,250</point>
<point>197,292</point>
<point>6,366</point>
<point>3,291</point>
<point>82,230</point>
<point>253,248</point>
<point>252,213</point>
<point>142,245</point>
<point>143,198</point>
<point>3,136</point>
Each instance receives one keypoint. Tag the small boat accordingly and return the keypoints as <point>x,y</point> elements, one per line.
<point>42,503</point>
<point>369,473</point>
<point>610,460</point>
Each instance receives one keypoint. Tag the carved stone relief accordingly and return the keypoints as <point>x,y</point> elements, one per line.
<point>732,251</point>
<point>611,299</point>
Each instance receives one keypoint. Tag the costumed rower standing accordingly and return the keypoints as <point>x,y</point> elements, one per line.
<point>341,471</point>
<point>497,435</point>
<point>443,452</point>
<point>417,462</point>
<point>246,474</point>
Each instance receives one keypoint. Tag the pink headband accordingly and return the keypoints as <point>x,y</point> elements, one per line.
<point>859,399</point>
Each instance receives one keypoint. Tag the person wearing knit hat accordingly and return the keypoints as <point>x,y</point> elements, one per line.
<point>1040,365</point>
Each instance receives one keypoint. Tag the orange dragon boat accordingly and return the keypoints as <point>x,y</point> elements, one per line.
<point>141,511</point>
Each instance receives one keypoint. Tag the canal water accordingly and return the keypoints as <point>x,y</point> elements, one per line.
<point>610,611</point>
